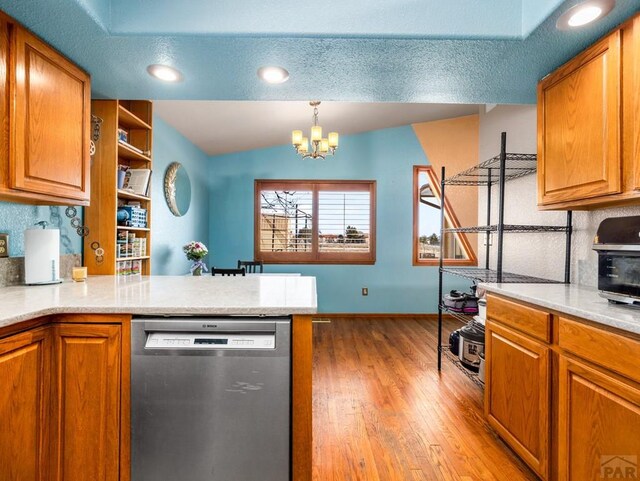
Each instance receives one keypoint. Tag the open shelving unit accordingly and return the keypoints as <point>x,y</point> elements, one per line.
<point>136,118</point>
<point>497,170</point>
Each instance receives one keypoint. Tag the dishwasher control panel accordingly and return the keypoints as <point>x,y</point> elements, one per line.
<point>209,340</point>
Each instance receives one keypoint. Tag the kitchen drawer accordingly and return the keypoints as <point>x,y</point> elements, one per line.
<point>615,352</point>
<point>534,323</point>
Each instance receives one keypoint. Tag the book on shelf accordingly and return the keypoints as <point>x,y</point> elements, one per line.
<point>136,181</point>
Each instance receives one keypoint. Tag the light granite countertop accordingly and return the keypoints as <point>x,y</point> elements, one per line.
<point>575,300</point>
<point>206,295</point>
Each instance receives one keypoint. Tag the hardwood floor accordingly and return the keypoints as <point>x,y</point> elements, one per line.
<point>382,412</point>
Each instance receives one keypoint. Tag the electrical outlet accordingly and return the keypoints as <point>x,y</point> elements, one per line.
<point>4,245</point>
<point>365,291</point>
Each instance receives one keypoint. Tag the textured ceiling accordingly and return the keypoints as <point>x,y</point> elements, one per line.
<point>361,18</point>
<point>365,66</point>
<point>223,127</point>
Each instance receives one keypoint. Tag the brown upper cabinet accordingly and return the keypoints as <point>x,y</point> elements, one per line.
<point>46,115</point>
<point>633,94</point>
<point>588,126</point>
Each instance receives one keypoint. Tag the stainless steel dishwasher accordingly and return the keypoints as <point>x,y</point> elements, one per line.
<point>210,399</point>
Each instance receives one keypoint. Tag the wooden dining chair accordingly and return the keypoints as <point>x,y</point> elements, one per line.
<point>227,272</point>
<point>252,267</point>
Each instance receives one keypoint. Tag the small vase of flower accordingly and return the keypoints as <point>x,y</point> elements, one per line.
<point>196,251</point>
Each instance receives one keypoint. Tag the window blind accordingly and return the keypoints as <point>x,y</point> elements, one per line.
<point>344,221</point>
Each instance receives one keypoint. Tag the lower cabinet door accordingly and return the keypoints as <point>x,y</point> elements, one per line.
<point>599,425</point>
<point>24,402</point>
<point>86,402</point>
<point>517,394</point>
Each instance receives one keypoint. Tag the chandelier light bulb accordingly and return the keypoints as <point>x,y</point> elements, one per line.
<point>316,133</point>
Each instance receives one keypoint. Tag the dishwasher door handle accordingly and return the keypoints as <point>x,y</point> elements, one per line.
<point>207,325</point>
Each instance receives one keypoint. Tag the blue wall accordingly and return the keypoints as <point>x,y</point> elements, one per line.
<point>170,233</point>
<point>15,218</point>
<point>387,156</point>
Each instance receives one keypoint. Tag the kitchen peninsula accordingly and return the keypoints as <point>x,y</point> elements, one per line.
<point>65,359</point>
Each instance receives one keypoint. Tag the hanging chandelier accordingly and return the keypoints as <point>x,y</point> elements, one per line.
<point>320,147</point>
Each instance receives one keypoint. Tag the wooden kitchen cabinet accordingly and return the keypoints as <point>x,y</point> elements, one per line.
<point>599,401</point>
<point>562,392</point>
<point>46,112</point>
<point>599,424</point>
<point>633,96</point>
<point>25,361</point>
<point>517,393</point>
<point>579,126</point>
<point>64,400</point>
<point>588,125</point>
<point>86,412</point>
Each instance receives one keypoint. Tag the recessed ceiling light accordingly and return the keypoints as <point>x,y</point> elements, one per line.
<point>164,73</point>
<point>273,75</point>
<point>584,13</point>
<point>584,16</point>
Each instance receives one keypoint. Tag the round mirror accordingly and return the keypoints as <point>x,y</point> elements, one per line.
<point>177,189</point>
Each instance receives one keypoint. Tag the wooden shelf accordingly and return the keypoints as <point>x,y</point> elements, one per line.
<point>130,195</point>
<point>136,117</point>
<point>142,258</point>
<point>126,152</point>
<point>139,229</point>
<point>131,121</point>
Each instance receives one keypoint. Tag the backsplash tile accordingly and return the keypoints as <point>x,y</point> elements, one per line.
<point>12,269</point>
<point>15,218</point>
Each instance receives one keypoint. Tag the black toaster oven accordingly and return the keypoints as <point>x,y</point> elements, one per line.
<point>617,243</point>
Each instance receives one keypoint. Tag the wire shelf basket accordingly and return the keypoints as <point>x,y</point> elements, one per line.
<point>488,172</point>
